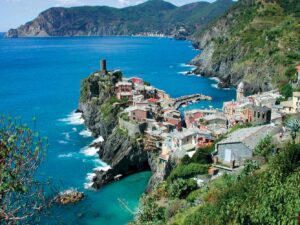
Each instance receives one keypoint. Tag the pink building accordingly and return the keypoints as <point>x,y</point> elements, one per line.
<point>124,90</point>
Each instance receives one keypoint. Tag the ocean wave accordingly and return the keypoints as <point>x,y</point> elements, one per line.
<point>85,133</point>
<point>98,139</point>
<point>68,155</point>
<point>89,151</point>
<point>215,79</point>
<point>102,168</point>
<point>74,129</point>
<point>89,178</point>
<point>67,136</point>
<point>188,65</point>
<point>184,72</point>
<point>63,142</point>
<point>215,86</point>
<point>74,118</point>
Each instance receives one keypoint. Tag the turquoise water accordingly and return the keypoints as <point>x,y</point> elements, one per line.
<point>40,77</point>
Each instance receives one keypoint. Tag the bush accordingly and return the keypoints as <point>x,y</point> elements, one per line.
<point>149,211</point>
<point>286,90</point>
<point>185,160</point>
<point>291,73</point>
<point>203,155</point>
<point>265,147</point>
<point>180,188</point>
<point>188,171</point>
<point>174,207</point>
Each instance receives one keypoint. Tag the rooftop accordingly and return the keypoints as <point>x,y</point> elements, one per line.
<point>249,136</point>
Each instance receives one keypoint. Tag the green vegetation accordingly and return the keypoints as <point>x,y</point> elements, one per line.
<point>261,41</point>
<point>269,196</point>
<point>265,147</point>
<point>263,192</point>
<point>154,16</point>
<point>188,171</point>
<point>294,126</point>
<point>84,90</point>
<point>180,188</point>
<point>22,197</point>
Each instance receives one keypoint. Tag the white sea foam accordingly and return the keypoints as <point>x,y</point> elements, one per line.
<point>74,129</point>
<point>215,79</point>
<point>63,142</point>
<point>102,168</point>
<point>98,139</point>
<point>89,178</point>
<point>184,72</point>
<point>89,151</point>
<point>215,86</point>
<point>68,155</point>
<point>67,136</point>
<point>86,133</point>
<point>73,118</point>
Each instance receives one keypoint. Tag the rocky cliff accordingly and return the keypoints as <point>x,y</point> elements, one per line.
<point>154,16</point>
<point>125,154</point>
<point>256,42</point>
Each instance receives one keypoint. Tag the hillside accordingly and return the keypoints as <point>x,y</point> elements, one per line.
<point>153,16</point>
<point>257,41</point>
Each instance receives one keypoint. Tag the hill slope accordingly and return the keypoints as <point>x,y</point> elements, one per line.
<point>257,41</point>
<point>155,16</point>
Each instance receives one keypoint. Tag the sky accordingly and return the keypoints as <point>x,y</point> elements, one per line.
<point>13,13</point>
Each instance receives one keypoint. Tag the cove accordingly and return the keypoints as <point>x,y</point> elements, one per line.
<point>40,77</point>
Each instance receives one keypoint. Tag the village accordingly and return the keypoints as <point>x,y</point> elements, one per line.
<point>152,116</point>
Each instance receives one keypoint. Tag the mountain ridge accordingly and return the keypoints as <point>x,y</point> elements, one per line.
<point>154,16</point>
<point>256,41</point>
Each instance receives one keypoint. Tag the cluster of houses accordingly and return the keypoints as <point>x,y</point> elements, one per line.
<point>153,115</point>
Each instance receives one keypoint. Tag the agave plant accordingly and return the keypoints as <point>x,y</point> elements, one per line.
<point>293,125</point>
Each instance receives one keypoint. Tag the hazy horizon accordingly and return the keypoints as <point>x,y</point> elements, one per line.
<point>14,13</point>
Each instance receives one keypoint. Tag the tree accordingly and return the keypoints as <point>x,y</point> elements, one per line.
<point>21,151</point>
<point>265,147</point>
<point>180,188</point>
<point>293,125</point>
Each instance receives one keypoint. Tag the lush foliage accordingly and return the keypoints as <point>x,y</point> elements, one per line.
<point>179,188</point>
<point>154,16</point>
<point>294,126</point>
<point>21,150</point>
<point>269,196</point>
<point>265,147</point>
<point>261,42</point>
<point>188,171</point>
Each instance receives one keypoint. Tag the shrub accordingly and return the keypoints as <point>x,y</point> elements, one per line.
<point>187,171</point>
<point>203,155</point>
<point>185,160</point>
<point>286,90</point>
<point>180,188</point>
<point>265,147</point>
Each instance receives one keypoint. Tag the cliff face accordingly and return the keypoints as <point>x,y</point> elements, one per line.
<point>123,153</point>
<point>154,16</point>
<point>256,41</point>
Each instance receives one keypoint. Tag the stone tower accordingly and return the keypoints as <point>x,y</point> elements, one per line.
<point>240,92</point>
<point>103,67</point>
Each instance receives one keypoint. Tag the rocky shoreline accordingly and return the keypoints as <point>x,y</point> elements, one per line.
<point>125,155</point>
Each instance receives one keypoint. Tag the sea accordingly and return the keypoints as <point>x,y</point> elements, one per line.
<point>40,78</point>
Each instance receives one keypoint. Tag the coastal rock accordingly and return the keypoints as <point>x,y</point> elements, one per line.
<point>160,171</point>
<point>69,197</point>
<point>241,46</point>
<point>125,156</point>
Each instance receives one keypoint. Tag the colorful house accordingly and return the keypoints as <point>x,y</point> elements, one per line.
<point>123,90</point>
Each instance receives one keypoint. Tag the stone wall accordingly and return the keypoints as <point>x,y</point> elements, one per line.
<point>132,128</point>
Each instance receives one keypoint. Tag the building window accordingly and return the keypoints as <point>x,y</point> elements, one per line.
<point>263,115</point>
<point>258,115</point>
